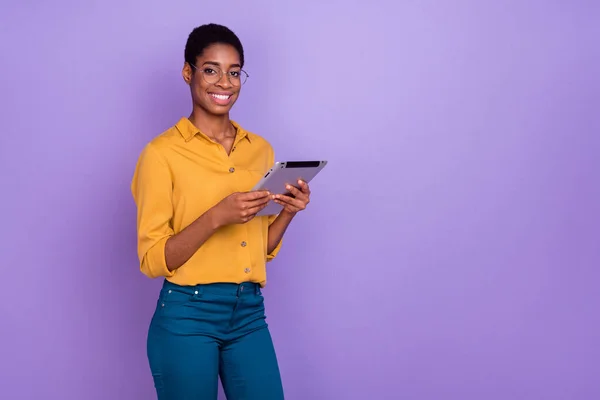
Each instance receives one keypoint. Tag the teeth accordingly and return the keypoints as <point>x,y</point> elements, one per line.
<point>220,96</point>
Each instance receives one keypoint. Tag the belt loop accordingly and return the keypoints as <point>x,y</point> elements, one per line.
<point>257,289</point>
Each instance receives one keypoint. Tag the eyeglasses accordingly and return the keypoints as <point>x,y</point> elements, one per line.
<point>213,74</point>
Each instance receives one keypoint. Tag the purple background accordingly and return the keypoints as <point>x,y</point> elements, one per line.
<point>451,250</point>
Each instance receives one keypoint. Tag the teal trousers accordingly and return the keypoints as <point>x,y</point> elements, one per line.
<point>200,333</point>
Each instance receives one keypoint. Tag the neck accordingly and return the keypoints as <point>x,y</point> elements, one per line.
<point>215,126</point>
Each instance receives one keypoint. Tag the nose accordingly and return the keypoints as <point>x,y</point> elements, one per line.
<point>224,81</point>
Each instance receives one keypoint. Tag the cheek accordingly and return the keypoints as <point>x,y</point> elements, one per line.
<point>236,95</point>
<point>198,85</point>
<point>199,92</point>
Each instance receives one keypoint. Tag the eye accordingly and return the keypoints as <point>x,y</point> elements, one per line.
<point>209,71</point>
<point>235,74</point>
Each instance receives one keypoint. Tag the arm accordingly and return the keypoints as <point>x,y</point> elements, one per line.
<point>237,208</point>
<point>277,230</point>
<point>160,250</point>
<point>152,190</point>
<point>181,247</point>
<point>291,206</point>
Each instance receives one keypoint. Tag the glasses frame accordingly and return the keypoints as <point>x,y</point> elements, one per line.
<point>217,68</point>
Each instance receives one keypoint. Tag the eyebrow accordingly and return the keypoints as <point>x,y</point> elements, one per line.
<point>218,65</point>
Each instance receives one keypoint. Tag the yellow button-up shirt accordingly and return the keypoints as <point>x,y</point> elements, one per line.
<point>179,175</point>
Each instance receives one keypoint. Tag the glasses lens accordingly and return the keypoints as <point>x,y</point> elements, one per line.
<point>237,77</point>
<point>243,76</point>
<point>213,75</point>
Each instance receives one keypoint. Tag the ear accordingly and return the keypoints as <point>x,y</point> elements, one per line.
<point>187,73</point>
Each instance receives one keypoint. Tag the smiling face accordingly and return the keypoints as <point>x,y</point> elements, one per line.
<point>215,79</point>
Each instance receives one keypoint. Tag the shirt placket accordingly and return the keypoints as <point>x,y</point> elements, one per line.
<point>244,228</point>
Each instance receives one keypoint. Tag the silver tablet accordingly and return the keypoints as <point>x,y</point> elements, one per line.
<point>286,173</point>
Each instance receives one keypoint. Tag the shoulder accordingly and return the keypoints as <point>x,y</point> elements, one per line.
<point>165,140</point>
<point>158,146</point>
<point>153,164</point>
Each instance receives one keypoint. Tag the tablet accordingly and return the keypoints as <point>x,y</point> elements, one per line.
<point>286,173</point>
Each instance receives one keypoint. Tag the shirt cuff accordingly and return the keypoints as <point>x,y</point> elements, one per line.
<point>275,251</point>
<point>154,264</point>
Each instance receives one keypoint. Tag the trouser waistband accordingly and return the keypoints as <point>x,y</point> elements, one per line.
<point>226,289</point>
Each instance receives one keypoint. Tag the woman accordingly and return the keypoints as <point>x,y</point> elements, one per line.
<point>197,228</point>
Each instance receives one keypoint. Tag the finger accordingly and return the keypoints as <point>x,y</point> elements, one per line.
<point>304,186</point>
<point>283,200</point>
<point>255,209</point>
<point>297,193</point>
<point>288,207</point>
<point>256,203</point>
<point>254,195</point>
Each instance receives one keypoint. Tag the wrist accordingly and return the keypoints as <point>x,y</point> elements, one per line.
<point>287,214</point>
<point>212,219</point>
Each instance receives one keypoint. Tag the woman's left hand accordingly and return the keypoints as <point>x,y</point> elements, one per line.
<point>298,200</point>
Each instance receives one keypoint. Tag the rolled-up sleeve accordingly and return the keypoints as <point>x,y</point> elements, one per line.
<point>275,251</point>
<point>151,188</point>
<point>272,218</point>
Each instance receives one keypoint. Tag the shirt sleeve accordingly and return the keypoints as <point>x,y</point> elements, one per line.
<point>152,192</point>
<point>272,218</point>
<point>275,251</point>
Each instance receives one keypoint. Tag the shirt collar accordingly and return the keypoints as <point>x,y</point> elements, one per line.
<point>189,130</point>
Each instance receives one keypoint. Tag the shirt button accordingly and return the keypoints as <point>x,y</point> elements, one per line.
<point>244,244</point>
<point>231,169</point>
<point>247,270</point>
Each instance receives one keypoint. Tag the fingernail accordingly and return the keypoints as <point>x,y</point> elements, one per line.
<point>288,187</point>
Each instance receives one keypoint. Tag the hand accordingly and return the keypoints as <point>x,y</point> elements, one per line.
<point>298,200</point>
<point>239,208</point>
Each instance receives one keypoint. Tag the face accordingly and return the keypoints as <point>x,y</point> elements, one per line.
<point>215,82</point>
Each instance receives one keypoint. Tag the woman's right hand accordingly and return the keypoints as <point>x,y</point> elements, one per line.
<point>239,208</point>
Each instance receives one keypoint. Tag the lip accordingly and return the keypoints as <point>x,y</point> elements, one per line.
<point>221,98</point>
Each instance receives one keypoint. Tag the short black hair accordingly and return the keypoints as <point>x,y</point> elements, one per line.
<point>206,35</point>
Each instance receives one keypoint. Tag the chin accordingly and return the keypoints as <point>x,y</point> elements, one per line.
<point>218,110</point>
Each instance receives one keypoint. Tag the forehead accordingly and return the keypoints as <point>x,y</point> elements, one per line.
<point>219,53</point>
